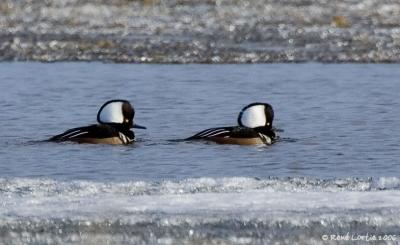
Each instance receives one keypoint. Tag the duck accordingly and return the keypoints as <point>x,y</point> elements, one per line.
<point>254,128</point>
<point>115,120</point>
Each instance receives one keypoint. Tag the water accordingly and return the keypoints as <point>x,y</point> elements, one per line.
<point>335,171</point>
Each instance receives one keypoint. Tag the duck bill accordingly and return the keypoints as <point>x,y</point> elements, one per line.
<point>138,126</point>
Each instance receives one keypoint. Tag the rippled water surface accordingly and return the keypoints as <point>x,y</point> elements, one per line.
<point>335,169</point>
<point>341,119</point>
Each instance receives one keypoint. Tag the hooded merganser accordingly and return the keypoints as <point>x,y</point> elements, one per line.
<point>115,119</point>
<point>255,127</point>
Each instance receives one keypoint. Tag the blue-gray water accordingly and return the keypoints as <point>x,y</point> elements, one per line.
<point>335,171</point>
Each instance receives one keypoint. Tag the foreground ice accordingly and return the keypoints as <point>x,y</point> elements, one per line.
<point>197,211</point>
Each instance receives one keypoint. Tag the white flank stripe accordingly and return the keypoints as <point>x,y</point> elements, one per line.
<point>218,133</point>
<point>73,136</point>
<point>73,132</point>
<point>205,132</point>
<point>212,132</point>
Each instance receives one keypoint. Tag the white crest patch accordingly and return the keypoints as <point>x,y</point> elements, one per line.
<point>254,117</point>
<point>112,113</point>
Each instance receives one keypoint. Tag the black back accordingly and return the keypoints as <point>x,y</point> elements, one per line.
<point>98,131</point>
